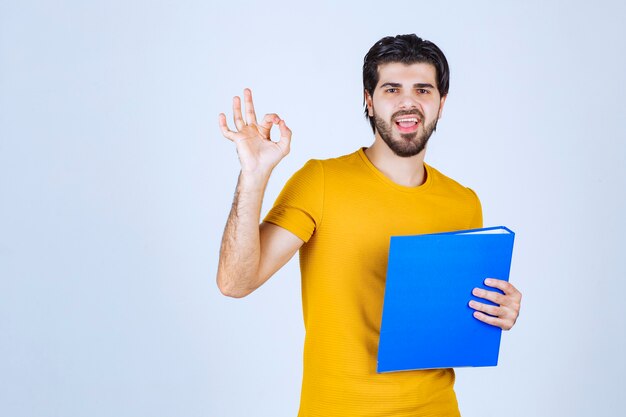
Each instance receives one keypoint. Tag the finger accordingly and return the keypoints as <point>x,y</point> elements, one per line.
<point>238,118</point>
<point>493,296</point>
<point>228,134</point>
<point>486,308</point>
<point>500,284</point>
<point>494,321</point>
<point>269,120</point>
<point>266,124</point>
<point>250,113</point>
<point>285,137</point>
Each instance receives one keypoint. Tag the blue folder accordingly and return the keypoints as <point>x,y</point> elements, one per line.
<point>427,322</point>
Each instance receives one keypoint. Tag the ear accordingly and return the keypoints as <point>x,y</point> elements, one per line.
<point>441,103</point>
<point>368,102</point>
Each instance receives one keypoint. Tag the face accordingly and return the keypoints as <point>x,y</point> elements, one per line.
<point>405,106</point>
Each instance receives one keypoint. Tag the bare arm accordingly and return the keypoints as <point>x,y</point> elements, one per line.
<point>250,254</point>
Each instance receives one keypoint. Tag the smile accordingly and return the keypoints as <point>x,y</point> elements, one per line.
<point>407,124</point>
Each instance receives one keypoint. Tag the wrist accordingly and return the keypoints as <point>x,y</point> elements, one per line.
<point>253,180</point>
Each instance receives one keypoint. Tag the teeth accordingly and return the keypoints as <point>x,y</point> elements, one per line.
<point>413,119</point>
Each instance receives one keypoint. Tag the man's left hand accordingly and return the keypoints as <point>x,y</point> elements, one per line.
<point>505,313</point>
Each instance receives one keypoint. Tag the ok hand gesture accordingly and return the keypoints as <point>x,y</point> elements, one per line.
<point>258,154</point>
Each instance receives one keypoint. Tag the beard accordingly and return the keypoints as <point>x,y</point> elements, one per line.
<point>409,144</point>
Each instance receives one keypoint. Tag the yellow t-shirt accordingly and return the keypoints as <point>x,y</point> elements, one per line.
<point>345,210</point>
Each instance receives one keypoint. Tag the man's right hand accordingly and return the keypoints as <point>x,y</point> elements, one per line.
<point>258,154</point>
<point>251,254</point>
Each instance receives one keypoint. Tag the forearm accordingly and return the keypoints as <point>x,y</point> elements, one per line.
<point>238,268</point>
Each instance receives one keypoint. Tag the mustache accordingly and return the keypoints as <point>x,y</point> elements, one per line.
<point>413,112</point>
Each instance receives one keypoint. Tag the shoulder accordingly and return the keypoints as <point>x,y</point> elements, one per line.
<point>347,159</point>
<point>448,185</point>
<point>458,195</point>
<point>318,168</point>
<point>340,164</point>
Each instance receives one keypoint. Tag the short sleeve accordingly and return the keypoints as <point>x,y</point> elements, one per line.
<point>299,205</point>
<point>477,217</point>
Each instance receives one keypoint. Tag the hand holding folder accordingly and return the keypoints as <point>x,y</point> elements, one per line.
<point>427,321</point>
<point>507,300</point>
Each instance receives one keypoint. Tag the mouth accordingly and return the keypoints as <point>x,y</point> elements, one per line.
<point>407,124</point>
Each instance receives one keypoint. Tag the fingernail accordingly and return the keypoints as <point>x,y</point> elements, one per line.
<point>488,281</point>
<point>475,291</point>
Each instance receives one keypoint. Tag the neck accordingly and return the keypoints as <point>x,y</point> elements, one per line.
<point>409,171</point>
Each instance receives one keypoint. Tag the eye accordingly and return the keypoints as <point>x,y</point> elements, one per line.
<point>422,91</point>
<point>391,90</point>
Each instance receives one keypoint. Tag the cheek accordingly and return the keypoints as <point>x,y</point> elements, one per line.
<point>383,109</point>
<point>432,111</point>
<point>436,108</point>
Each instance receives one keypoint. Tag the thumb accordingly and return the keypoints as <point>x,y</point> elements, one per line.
<point>285,137</point>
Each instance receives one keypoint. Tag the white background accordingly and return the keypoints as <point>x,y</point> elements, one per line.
<point>115,184</point>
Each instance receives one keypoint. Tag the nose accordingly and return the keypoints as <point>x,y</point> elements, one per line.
<point>408,101</point>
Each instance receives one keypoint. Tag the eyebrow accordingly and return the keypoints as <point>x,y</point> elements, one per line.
<point>416,85</point>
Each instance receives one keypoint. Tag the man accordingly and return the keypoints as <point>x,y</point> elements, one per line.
<point>340,214</point>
